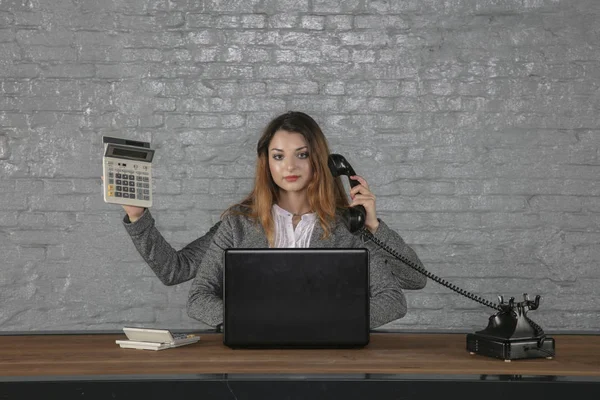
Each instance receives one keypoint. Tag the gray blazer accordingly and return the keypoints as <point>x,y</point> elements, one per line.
<point>388,276</point>
<point>170,266</point>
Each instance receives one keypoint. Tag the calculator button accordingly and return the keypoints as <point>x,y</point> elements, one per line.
<point>118,175</point>
<point>146,185</point>
<point>110,175</point>
<point>131,183</point>
<point>131,196</point>
<point>118,194</point>
<point>146,191</point>
<point>125,195</point>
<point>111,181</point>
<point>146,198</point>
<point>146,179</point>
<point>125,183</point>
<point>111,194</point>
<point>131,177</point>
<point>118,181</point>
<point>119,188</point>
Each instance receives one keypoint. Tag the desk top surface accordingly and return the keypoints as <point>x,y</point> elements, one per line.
<point>387,353</point>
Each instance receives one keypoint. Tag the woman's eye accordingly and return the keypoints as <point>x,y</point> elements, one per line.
<point>277,157</point>
<point>303,155</point>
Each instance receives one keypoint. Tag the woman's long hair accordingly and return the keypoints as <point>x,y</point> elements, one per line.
<point>325,193</point>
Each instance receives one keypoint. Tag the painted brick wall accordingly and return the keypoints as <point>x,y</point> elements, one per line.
<point>476,123</point>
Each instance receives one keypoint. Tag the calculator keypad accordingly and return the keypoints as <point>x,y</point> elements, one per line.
<point>129,182</point>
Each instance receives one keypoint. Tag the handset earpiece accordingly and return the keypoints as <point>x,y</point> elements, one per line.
<point>353,217</point>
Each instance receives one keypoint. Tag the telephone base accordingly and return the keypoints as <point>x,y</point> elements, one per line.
<point>509,349</point>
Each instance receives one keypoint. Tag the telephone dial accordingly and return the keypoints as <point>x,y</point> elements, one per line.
<point>510,333</point>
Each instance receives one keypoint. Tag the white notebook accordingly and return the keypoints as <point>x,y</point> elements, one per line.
<point>154,339</point>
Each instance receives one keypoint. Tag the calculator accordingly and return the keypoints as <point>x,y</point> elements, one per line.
<point>127,169</point>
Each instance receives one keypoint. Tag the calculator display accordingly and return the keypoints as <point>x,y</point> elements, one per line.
<point>120,152</point>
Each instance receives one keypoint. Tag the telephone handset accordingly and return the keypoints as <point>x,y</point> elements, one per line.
<point>353,217</point>
<point>510,334</point>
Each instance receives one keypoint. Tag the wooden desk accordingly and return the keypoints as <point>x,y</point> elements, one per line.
<point>389,357</point>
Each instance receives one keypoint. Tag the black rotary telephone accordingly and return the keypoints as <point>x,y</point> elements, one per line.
<point>510,334</point>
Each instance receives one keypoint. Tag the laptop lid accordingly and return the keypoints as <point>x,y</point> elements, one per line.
<point>296,297</point>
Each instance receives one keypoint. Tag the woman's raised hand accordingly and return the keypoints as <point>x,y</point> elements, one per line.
<point>361,194</point>
<point>134,213</point>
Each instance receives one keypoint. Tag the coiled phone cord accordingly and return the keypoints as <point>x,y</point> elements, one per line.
<point>428,274</point>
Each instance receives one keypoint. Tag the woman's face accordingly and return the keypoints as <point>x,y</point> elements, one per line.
<point>289,161</point>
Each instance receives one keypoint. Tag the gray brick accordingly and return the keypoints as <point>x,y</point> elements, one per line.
<point>252,37</point>
<point>37,237</point>
<point>6,19</point>
<point>338,6</point>
<point>312,22</point>
<point>338,22</point>
<point>224,71</point>
<point>100,53</point>
<point>4,148</point>
<point>151,121</point>
<point>57,203</point>
<point>146,39</point>
<point>27,18</point>
<point>380,21</point>
<point>270,6</point>
<point>120,71</point>
<point>12,202</point>
<point>253,21</point>
<point>177,121</point>
<point>362,56</point>
<point>205,105</point>
<point>204,38</point>
<point>219,186</point>
<point>151,55</point>
<point>256,55</point>
<point>167,186</point>
<point>282,21</point>
<point>205,54</point>
<point>43,53</point>
<point>196,185</point>
<point>243,6</point>
<point>8,220</point>
<point>235,89</point>
<point>28,220</point>
<point>19,71</point>
<point>100,21</point>
<point>44,38</point>
<point>7,35</point>
<point>14,87</point>
<point>315,104</point>
<point>10,51</point>
<point>215,121</point>
<point>395,88</point>
<point>175,87</point>
<point>280,72</point>
<point>193,20</point>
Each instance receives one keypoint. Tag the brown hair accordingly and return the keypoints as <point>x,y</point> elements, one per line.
<point>325,193</point>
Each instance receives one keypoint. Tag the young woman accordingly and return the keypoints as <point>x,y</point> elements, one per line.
<point>296,203</point>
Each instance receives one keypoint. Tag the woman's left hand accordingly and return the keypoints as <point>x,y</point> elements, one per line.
<point>361,195</point>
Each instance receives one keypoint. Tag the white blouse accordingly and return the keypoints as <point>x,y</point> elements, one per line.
<point>286,235</point>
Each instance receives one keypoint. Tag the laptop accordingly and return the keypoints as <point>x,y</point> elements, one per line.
<point>305,298</point>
